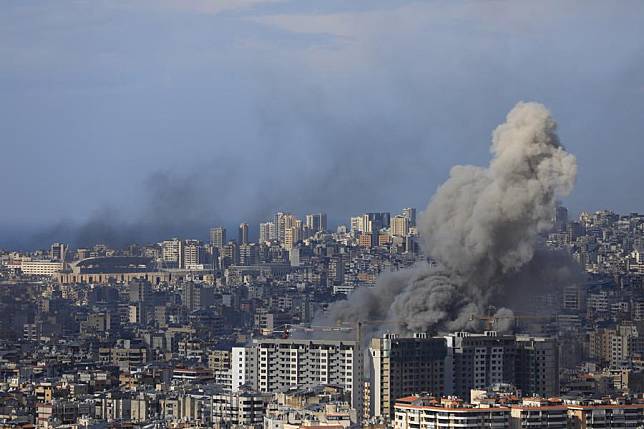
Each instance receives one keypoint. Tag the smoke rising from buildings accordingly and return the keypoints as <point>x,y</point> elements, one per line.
<point>480,229</point>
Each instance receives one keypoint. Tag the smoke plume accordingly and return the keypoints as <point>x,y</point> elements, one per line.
<point>480,230</point>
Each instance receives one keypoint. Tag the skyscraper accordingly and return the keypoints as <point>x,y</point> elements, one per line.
<point>561,219</point>
<point>248,254</point>
<point>291,236</point>
<point>405,366</point>
<point>357,224</point>
<point>480,360</point>
<point>57,252</point>
<point>243,234</point>
<point>316,222</point>
<point>282,222</point>
<point>218,236</point>
<point>537,366</point>
<point>192,254</point>
<point>266,232</point>
<point>370,222</point>
<point>229,254</point>
<point>410,214</point>
<point>400,226</point>
<point>139,291</point>
<point>279,225</point>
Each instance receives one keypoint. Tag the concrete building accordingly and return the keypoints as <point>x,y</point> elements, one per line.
<point>284,221</point>
<point>196,296</point>
<point>243,366</point>
<point>538,413</point>
<point>58,252</point>
<point>367,240</point>
<point>282,363</point>
<point>291,236</point>
<point>605,416</point>
<point>229,254</point>
<point>316,222</point>
<point>243,234</point>
<point>415,413</point>
<point>404,366</point>
<point>248,254</point>
<point>171,252</point>
<point>219,360</point>
<point>400,226</point>
<point>537,366</point>
<point>480,360</point>
<point>41,268</point>
<point>218,236</point>
<point>192,255</point>
<point>125,354</point>
<point>139,291</point>
<point>410,214</point>
<point>267,232</point>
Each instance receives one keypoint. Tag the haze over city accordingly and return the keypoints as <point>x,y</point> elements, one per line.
<point>278,214</point>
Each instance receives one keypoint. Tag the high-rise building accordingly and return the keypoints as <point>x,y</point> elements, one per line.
<point>218,236</point>
<point>283,221</point>
<point>411,244</point>
<point>230,254</point>
<point>192,254</point>
<point>244,367</point>
<point>537,366</point>
<point>379,220</point>
<point>279,221</point>
<point>404,366</point>
<point>139,291</point>
<point>368,240</point>
<point>316,222</point>
<point>282,363</point>
<point>480,360</point>
<point>410,214</point>
<point>243,234</point>
<point>561,219</point>
<point>57,252</point>
<point>196,297</point>
<point>572,298</point>
<point>248,254</point>
<point>336,269</point>
<point>357,224</point>
<point>291,236</point>
<point>171,252</point>
<point>370,222</point>
<point>400,226</point>
<point>267,232</point>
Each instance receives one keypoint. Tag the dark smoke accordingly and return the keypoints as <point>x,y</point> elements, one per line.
<point>481,227</point>
<point>301,153</point>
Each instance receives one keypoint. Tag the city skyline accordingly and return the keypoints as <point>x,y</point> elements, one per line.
<point>342,214</point>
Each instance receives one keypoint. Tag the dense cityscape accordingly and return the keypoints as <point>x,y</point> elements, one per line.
<point>226,333</point>
<point>321,214</point>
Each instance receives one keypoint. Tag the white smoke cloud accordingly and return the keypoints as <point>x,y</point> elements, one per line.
<point>481,228</point>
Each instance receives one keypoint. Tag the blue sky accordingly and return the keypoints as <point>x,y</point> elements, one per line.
<point>148,118</point>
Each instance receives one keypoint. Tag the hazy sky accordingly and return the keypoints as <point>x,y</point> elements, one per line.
<point>141,119</point>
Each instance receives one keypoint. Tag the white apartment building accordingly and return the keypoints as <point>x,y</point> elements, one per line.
<point>243,367</point>
<point>272,364</point>
<point>41,268</point>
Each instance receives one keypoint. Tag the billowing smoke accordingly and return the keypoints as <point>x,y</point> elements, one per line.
<point>480,229</point>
